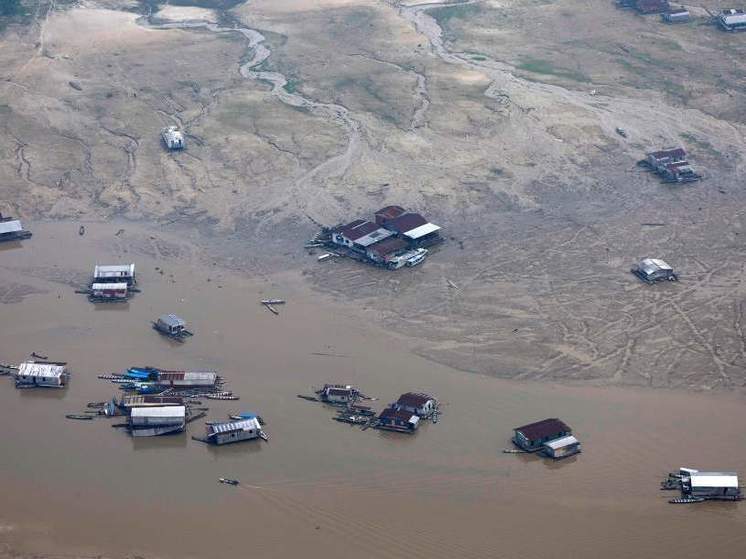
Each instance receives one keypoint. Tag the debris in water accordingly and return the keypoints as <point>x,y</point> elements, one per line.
<point>75,85</point>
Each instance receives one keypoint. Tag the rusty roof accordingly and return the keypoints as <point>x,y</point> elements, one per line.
<point>414,399</point>
<point>388,246</point>
<point>393,413</point>
<point>544,428</point>
<point>405,222</point>
<point>357,229</point>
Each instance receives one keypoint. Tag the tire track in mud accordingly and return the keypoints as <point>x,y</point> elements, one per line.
<point>333,167</point>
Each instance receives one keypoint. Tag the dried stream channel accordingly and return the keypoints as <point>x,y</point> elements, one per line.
<point>319,487</point>
<point>260,52</point>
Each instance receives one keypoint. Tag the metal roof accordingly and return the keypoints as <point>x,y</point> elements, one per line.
<point>562,442</point>
<point>543,428</point>
<point>45,370</point>
<point>650,265</point>
<point>422,230</point>
<point>172,320</point>
<point>114,271</point>
<point>733,19</point>
<point>714,479</point>
<point>109,286</point>
<point>227,427</point>
<point>357,229</point>
<point>374,236</point>
<point>162,411</point>
<point>10,226</point>
<point>414,399</point>
<point>405,222</point>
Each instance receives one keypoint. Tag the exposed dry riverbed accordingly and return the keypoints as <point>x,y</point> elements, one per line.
<point>320,488</point>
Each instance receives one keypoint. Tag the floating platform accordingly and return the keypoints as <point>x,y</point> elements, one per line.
<point>686,500</point>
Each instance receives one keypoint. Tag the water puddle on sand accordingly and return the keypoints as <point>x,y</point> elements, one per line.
<point>320,488</point>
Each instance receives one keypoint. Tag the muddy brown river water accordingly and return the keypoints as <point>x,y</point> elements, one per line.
<point>320,488</point>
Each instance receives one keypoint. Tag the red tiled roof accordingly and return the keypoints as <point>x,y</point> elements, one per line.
<point>405,222</point>
<point>543,428</point>
<point>414,399</point>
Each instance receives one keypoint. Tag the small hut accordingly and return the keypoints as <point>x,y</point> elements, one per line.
<point>173,138</point>
<point>562,447</point>
<point>108,292</point>
<point>44,375</point>
<point>652,270</point>
<point>234,431</point>
<point>392,419</point>
<point>154,421</point>
<point>172,326</point>
<point>532,437</point>
<point>119,273</point>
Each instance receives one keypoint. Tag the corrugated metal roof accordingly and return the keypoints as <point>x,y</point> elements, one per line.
<point>109,286</point>
<point>714,479</point>
<point>10,226</point>
<point>422,230</point>
<point>118,270</point>
<point>543,428</point>
<point>405,222</point>
<point>562,442</point>
<point>374,237</point>
<point>357,229</point>
<point>414,399</point>
<point>172,320</point>
<point>163,411</point>
<point>40,370</point>
<point>243,425</point>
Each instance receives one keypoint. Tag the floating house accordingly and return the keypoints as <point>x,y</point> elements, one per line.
<point>173,138</point>
<point>172,326</point>
<point>711,485</point>
<point>532,437</point>
<point>234,431</point>
<point>12,230</point>
<point>149,401</point>
<point>44,375</point>
<point>414,228</point>
<point>732,20</point>
<point>422,405</point>
<point>392,419</point>
<point>397,238</point>
<point>109,292</point>
<point>359,235</point>
<point>183,379</point>
<point>562,447</point>
<point>652,270</point>
<point>680,15</point>
<point>154,421</point>
<point>120,273</point>
<point>338,394</point>
<point>671,165</point>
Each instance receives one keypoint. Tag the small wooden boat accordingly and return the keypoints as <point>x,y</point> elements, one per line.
<point>228,481</point>
<point>686,500</point>
<point>273,302</point>
<point>309,398</point>
<point>79,416</point>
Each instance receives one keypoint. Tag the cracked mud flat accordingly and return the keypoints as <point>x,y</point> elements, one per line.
<point>302,112</point>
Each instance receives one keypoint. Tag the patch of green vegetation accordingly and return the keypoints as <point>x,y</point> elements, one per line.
<point>541,66</point>
<point>700,143</point>
<point>444,15</point>
<point>292,85</point>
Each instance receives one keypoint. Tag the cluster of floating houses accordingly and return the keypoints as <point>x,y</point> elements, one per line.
<point>396,238</point>
<point>403,416</point>
<point>730,19</point>
<point>671,165</point>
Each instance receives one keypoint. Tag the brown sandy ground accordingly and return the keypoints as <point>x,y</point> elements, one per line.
<point>502,129</point>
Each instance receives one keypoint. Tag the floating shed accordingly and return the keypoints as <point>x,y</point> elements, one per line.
<point>414,228</point>
<point>338,394</point>
<point>711,485</point>
<point>234,431</point>
<point>418,403</point>
<point>392,419</point>
<point>532,437</point>
<point>109,292</point>
<point>119,273</point>
<point>173,138</point>
<point>172,326</point>
<point>359,235</point>
<point>154,421</point>
<point>732,20</point>
<point>676,16</point>
<point>46,375</point>
<point>652,270</point>
<point>12,230</point>
<point>187,379</point>
<point>562,447</point>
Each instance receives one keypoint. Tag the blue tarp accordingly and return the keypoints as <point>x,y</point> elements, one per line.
<point>140,373</point>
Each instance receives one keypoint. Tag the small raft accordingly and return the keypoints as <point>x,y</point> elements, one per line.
<point>79,416</point>
<point>221,396</point>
